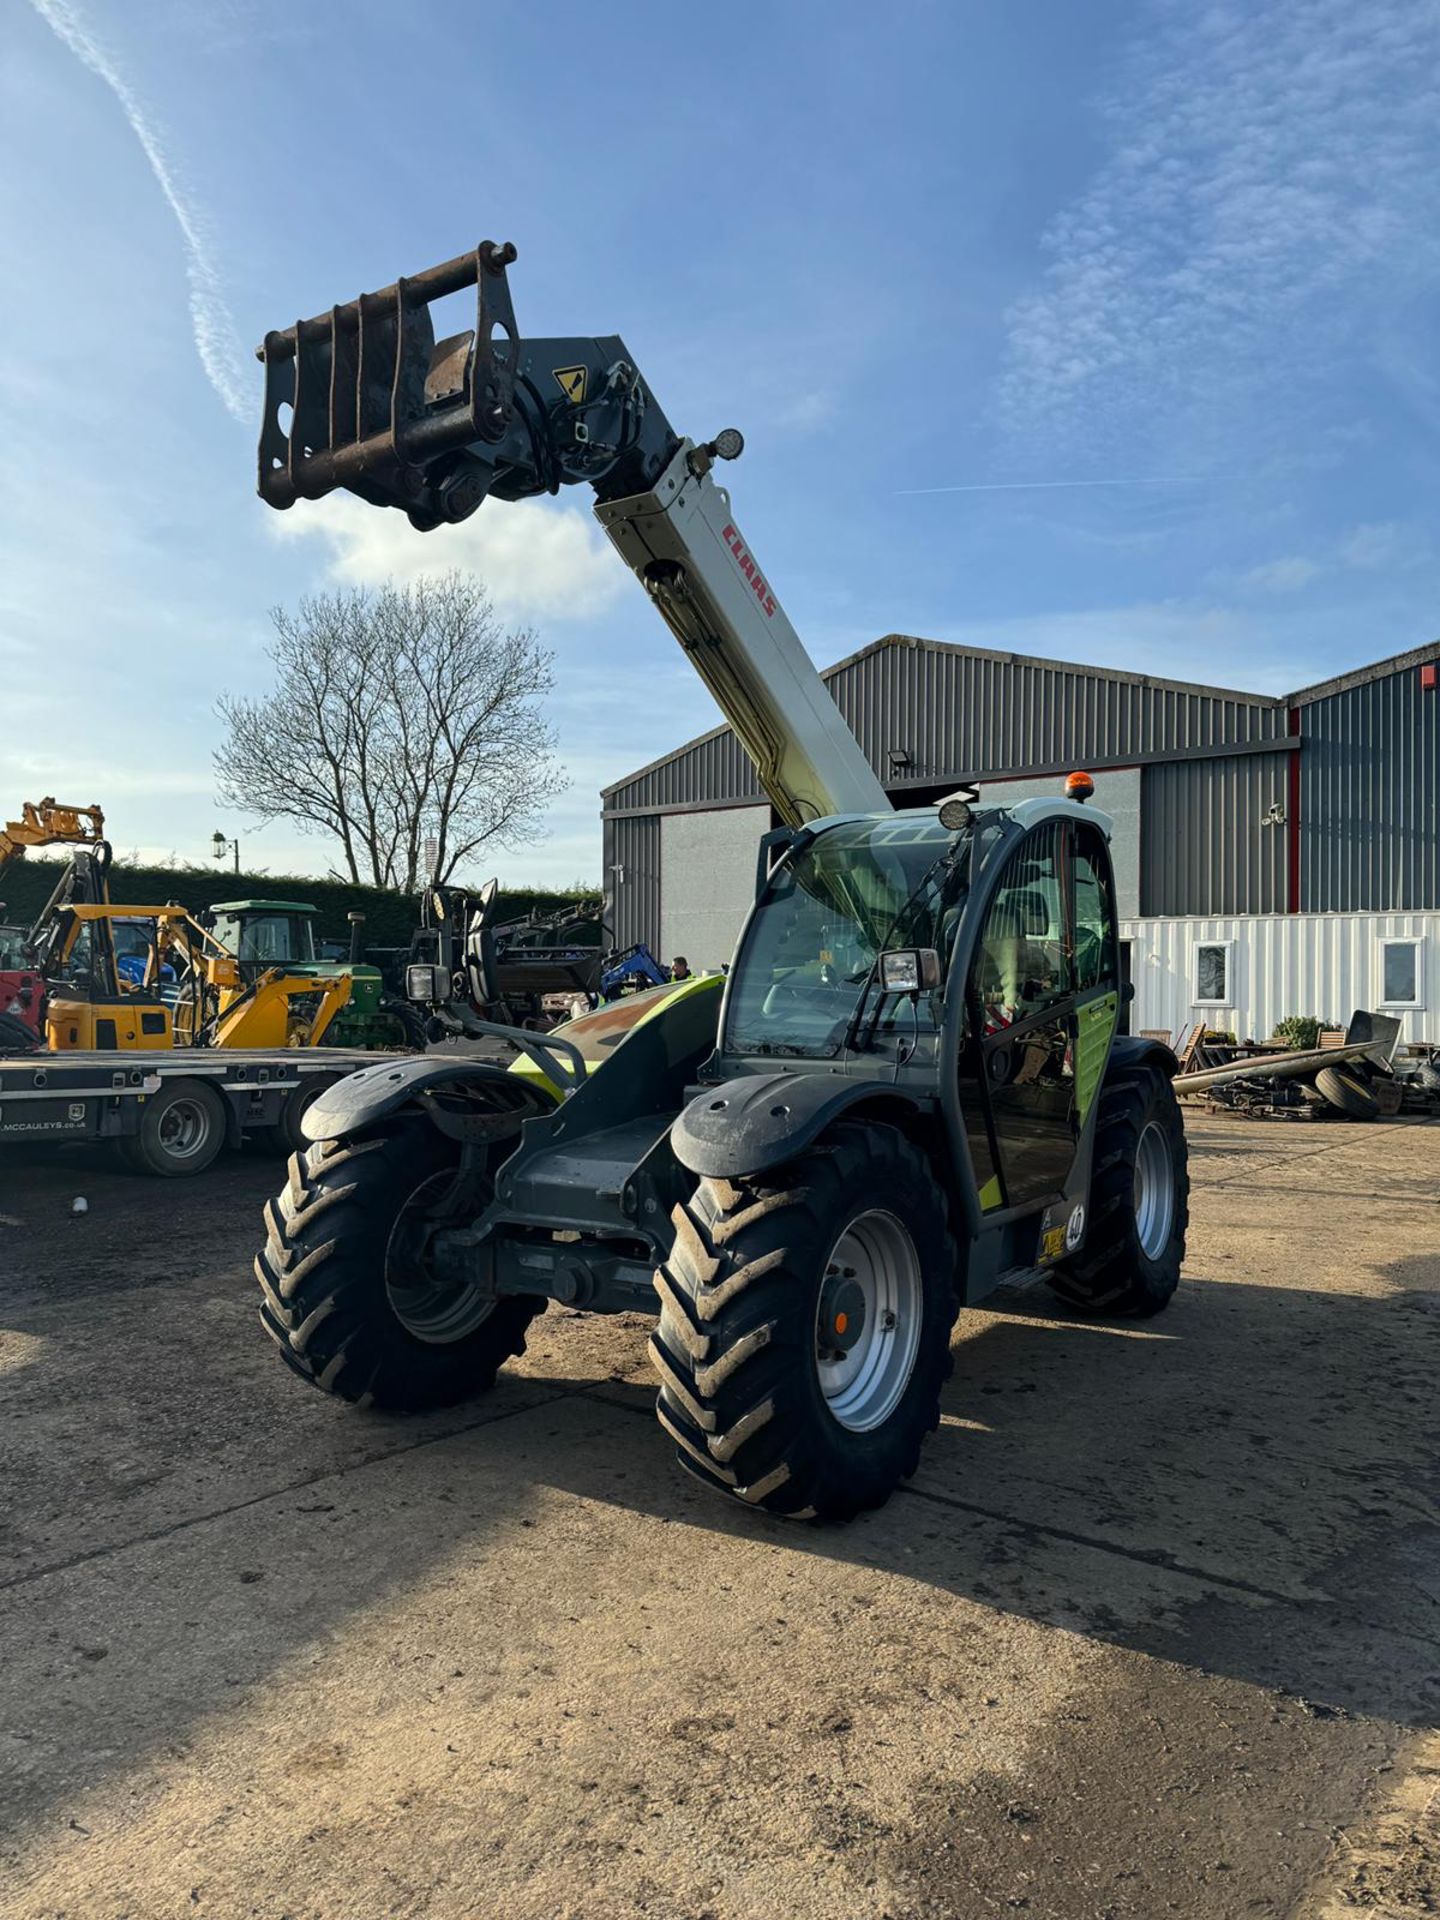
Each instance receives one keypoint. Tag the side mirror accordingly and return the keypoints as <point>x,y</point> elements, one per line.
<point>909,969</point>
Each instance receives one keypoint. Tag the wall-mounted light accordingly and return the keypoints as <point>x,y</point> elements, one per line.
<point>899,758</point>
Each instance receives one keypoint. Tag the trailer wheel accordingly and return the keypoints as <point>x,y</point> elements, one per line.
<point>1347,1090</point>
<point>805,1325</point>
<point>182,1128</point>
<point>284,1135</point>
<point>1139,1202</point>
<point>348,1298</point>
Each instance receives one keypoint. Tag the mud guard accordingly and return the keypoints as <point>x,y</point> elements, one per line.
<point>749,1125</point>
<point>1133,1050</point>
<point>360,1099</point>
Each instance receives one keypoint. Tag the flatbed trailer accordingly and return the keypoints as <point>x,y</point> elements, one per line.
<point>169,1113</point>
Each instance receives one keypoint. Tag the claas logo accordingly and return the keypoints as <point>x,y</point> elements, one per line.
<point>751,572</point>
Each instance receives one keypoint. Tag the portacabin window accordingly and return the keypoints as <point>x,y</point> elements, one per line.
<point>1211,982</point>
<point>1401,974</point>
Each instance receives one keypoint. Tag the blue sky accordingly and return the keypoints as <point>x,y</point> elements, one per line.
<point>989,248</point>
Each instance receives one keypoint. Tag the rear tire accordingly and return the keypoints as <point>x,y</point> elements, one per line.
<point>1139,1203</point>
<point>350,1309</point>
<point>766,1282</point>
<point>408,1019</point>
<point>1348,1092</point>
<point>284,1135</point>
<point>182,1129</point>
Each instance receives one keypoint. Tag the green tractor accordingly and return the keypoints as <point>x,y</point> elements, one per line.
<point>271,933</point>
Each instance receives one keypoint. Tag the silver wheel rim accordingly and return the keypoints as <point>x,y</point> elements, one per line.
<point>863,1387</point>
<point>1154,1190</point>
<point>184,1128</point>
<point>435,1310</point>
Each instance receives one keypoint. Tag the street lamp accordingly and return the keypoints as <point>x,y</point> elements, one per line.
<point>224,846</point>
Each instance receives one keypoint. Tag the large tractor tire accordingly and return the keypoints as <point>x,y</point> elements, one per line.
<point>1347,1090</point>
<point>182,1129</point>
<point>1139,1203</point>
<point>805,1326</point>
<point>348,1299</point>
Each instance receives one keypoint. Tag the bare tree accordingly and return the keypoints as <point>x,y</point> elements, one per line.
<point>397,717</point>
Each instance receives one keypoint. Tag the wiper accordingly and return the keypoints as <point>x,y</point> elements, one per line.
<point>852,1031</point>
<point>852,1028</point>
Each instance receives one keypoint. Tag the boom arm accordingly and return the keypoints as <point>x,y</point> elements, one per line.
<point>50,824</point>
<point>363,397</point>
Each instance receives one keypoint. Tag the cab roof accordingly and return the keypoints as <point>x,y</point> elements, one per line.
<point>262,906</point>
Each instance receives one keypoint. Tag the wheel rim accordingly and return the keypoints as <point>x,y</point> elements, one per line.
<point>434,1309</point>
<point>184,1128</point>
<point>1154,1190</point>
<point>876,1264</point>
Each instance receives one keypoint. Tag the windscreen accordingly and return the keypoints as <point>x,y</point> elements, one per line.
<point>860,888</point>
<point>271,938</point>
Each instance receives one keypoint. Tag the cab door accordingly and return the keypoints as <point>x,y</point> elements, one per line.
<point>1041,997</point>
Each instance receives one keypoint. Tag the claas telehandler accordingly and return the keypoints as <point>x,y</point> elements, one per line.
<point>911,1086</point>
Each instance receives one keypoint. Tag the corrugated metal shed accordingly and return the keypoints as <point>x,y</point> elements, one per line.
<point>963,712</point>
<point>1338,815</point>
<point>1370,794</point>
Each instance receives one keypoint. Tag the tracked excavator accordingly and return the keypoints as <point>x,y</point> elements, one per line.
<point>911,1086</point>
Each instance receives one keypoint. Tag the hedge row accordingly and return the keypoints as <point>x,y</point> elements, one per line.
<point>25,886</point>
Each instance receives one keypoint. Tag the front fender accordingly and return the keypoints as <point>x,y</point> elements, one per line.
<point>749,1125</point>
<point>1134,1050</point>
<point>360,1099</point>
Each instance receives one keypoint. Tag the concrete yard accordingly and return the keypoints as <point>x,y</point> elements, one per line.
<point>1155,1631</point>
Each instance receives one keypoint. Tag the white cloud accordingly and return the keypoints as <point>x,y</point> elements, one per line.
<point>807,412</point>
<point>1280,576</point>
<point>1264,198</point>
<point>536,561</point>
<point>216,341</point>
<point>1374,544</point>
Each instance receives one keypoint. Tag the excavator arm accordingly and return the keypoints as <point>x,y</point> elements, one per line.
<point>50,824</point>
<point>364,397</point>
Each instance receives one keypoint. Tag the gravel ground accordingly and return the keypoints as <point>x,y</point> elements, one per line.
<point>1155,1630</point>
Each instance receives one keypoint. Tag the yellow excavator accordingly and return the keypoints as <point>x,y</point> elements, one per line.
<point>127,979</point>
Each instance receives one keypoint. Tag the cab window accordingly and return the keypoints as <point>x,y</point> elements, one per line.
<point>1024,964</point>
<point>1096,960</point>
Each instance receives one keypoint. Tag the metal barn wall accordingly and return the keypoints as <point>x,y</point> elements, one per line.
<point>1204,847</point>
<point>1325,964</point>
<point>632,878</point>
<point>964,712</point>
<point>1370,797</point>
<point>715,767</point>
<point>959,712</point>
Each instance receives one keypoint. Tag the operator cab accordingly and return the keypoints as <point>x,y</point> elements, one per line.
<point>975,965</point>
<point>265,933</point>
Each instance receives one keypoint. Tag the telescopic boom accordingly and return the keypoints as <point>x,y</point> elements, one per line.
<point>364,397</point>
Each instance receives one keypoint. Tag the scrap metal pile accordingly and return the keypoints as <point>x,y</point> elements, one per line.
<point>1365,1075</point>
